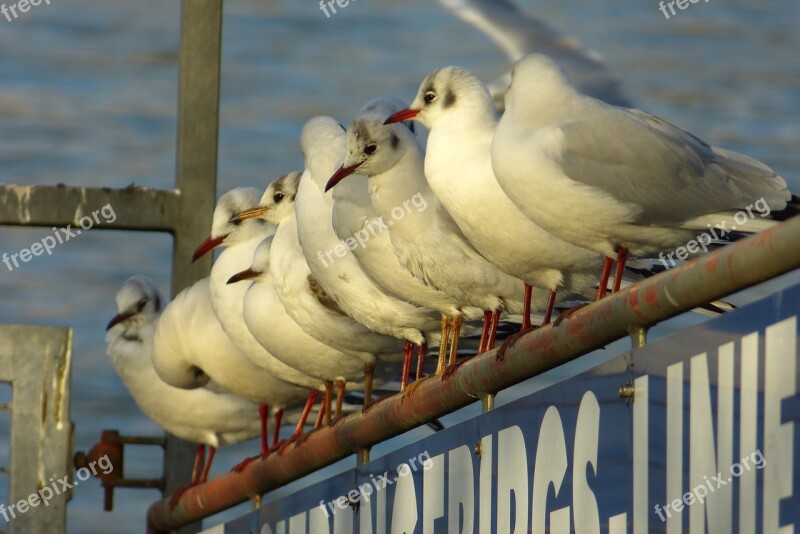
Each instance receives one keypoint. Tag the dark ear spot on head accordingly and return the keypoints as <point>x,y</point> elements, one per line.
<point>394,140</point>
<point>449,99</point>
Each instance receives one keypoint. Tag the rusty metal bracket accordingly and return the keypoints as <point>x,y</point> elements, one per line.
<point>112,446</point>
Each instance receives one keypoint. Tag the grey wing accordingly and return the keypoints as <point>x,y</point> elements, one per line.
<point>519,34</point>
<point>671,174</point>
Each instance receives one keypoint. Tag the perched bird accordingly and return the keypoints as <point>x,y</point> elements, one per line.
<point>301,295</point>
<point>208,415</point>
<point>190,346</point>
<point>357,221</point>
<point>459,112</point>
<point>227,301</point>
<point>342,278</point>
<point>427,242</point>
<point>617,180</point>
<point>277,332</point>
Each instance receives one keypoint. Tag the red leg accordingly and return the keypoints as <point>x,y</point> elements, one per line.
<point>312,398</point>
<point>421,351</point>
<point>408,347</point>
<point>548,312</point>
<point>622,256</point>
<point>512,340</point>
<point>276,432</point>
<point>604,274</point>
<point>211,452</point>
<point>323,407</point>
<point>198,463</point>
<point>526,313</point>
<point>263,411</point>
<point>487,320</point>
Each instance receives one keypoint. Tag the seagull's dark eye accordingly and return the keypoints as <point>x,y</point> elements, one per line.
<point>430,96</point>
<point>277,197</point>
<point>141,304</point>
<point>370,149</point>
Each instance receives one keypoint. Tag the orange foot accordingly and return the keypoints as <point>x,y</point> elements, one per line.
<point>413,386</point>
<point>566,314</point>
<point>247,461</point>
<point>294,438</point>
<point>448,372</point>
<point>510,342</point>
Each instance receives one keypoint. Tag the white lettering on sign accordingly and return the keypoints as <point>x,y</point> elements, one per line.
<point>693,415</point>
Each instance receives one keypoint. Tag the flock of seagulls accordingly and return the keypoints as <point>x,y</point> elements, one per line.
<point>496,218</point>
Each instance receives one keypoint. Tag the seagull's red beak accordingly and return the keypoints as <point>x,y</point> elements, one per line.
<point>118,318</point>
<point>206,246</point>
<point>340,174</point>
<point>247,274</point>
<point>402,115</point>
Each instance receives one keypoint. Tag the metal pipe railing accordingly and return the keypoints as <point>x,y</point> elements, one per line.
<point>713,276</point>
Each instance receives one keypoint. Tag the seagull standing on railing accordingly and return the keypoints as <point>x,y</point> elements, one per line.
<point>459,112</point>
<point>322,144</point>
<point>427,242</point>
<point>617,180</point>
<point>190,346</point>
<point>302,296</point>
<point>240,240</point>
<point>355,218</point>
<point>275,329</point>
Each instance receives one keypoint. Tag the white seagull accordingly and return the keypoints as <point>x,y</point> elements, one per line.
<point>190,346</point>
<point>459,112</point>
<point>427,242</point>
<point>356,221</point>
<point>269,323</point>
<point>332,262</point>
<point>241,240</point>
<point>615,180</point>
<point>207,415</point>
<point>302,296</point>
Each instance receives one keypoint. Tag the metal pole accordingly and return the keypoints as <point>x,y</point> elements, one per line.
<point>730,269</point>
<point>196,179</point>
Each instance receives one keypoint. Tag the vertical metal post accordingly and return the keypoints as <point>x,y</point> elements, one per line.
<point>196,179</point>
<point>36,362</point>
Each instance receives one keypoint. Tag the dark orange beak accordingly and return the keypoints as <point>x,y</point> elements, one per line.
<point>340,174</point>
<point>402,115</point>
<point>208,245</point>
<point>247,274</point>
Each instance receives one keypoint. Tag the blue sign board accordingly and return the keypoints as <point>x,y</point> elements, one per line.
<point>692,433</point>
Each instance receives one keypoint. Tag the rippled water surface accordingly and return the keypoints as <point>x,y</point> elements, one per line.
<point>88,93</point>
